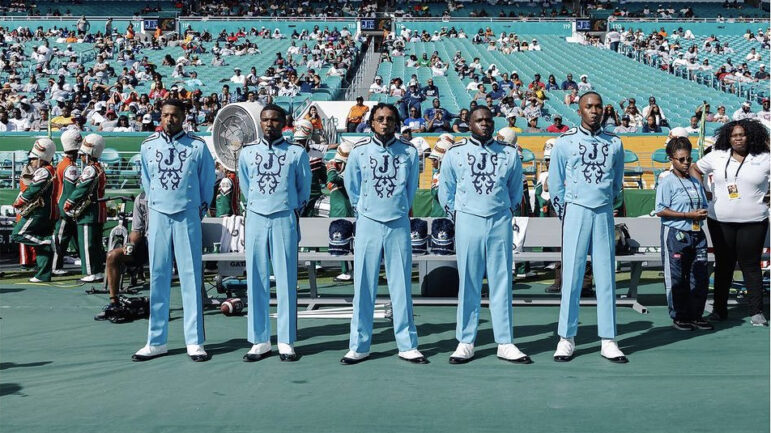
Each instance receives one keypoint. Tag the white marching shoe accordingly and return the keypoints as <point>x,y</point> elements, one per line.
<point>92,278</point>
<point>565,349</point>
<point>149,352</point>
<point>59,272</point>
<point>510,352</point>
<point>286,352</point>
<point>611,352</point>
<point>414,356</point>
<point>197,353</point>
<point>257,352</point>
<point>463,353</point>
<point>352,357</point>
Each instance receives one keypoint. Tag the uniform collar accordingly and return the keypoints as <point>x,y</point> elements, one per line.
<point>389,142</point>
<point>588,132</point>
<point>175,137</point>
<point>476,142</point>
<point>270,144</point>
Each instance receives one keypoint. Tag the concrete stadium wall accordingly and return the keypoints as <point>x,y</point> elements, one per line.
<point>562,28</point>
<point>696,28</point>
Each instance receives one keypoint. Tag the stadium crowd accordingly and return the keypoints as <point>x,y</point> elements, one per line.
<point>105,96</point>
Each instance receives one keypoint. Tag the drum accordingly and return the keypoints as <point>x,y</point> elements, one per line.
<point>321,207</point>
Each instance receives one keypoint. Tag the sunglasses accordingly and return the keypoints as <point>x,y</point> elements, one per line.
<point>683,159</point>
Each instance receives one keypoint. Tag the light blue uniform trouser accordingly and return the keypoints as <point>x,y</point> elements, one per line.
<point>374,241</point>
<point>484,245</point>
<point>178,234</point>
<point>587,230</point>
<point>271,240</point>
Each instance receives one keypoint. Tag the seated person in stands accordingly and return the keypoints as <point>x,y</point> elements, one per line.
<point>438,123</point>
<point>557,126</point>
<point>134,253</point>
<point>461,124</point>
<point>414,121</point>
<point>651,126</point>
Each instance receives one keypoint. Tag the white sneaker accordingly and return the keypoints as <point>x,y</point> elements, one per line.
<point>272,278</point>
<point>67,260</point>
<point>414,356</point>
<point>35,280</point>
<point>527,274</point>
<point>260,348</point>
<point>510,352</point>
<point>565,349</point>
<point>92,278</point>
<point>257,352</point>
<point>463,353</point>
<point>352,357</point>
<point>611,352</point>
<point>197,353</point>
<point>59,272</point>
<point>343,277</point>
<point>149,352</point>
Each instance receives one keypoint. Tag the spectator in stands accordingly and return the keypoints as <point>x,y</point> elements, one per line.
<point>536,84</point>
<point>634,116</point>
<point>62,121</point>
<point>356,114</point>
<point>533,109</point>
<point>532,125</point>
<point>745,112</point>
<point>584,85</point>
<point>738,167</point>
<point>461,124</point>
<point>682,205</point>
<point>720,116</point>
<point>551,83</point>
<point>693,128</point>
<point>19,123</point>
<point>557,126</point>
<point>414,121</point>
<point>571,97</point>
<point>651,126</point>
<point>625,126</point>
<point>496,93</point>
<point>764,115</point>
<point>654,108</point>
<point>436,106</point>
<point>438,123</point>
<point>123,125</point>
<point>569,84</point>
<point>490,104</point>
<point>430,90</point>
<point>377,88</point>
<point>609,116</point>
<point>761,74</point>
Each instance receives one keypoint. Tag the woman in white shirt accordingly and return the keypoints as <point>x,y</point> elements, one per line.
<point>738,172</point>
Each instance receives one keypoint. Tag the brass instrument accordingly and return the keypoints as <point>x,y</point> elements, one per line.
<point>78,209</point>
<point>38,201</point>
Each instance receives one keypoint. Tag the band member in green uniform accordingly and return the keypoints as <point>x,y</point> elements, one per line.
<point>37,206</point>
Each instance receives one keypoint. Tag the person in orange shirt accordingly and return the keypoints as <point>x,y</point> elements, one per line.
<point>356,115</point>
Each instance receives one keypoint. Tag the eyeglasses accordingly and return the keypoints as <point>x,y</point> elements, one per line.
<point>385,119</point>
<point>683,159</point>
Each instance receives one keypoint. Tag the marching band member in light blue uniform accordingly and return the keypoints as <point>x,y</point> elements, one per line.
<point>381,180</point>
<point>275,176</point>
<point>178,179</point>
<point>480,184</point>
<point>585,178</point>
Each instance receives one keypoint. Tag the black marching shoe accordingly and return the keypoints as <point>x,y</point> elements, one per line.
<point>682,325</point>
<point>702,324</point>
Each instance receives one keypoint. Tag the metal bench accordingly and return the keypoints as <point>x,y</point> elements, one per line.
<point>541,233</point>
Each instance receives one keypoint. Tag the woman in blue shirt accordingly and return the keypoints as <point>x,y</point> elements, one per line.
<point>682,206</point>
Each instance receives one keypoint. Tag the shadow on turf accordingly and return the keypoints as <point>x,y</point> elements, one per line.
<point>10,388</point>
<point>7,365</point>
<point>4,291</point>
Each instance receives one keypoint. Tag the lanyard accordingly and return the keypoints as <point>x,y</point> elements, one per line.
<point>690,199</point>
<point>725,172</point>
